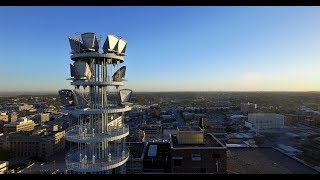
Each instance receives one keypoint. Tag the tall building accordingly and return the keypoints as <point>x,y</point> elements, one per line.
<point>99,105</point>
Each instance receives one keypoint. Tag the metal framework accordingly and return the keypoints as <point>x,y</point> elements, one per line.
<point>100,133</point>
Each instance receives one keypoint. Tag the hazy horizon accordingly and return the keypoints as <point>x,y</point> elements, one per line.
<point>170,49</point>
<point>3,93</point>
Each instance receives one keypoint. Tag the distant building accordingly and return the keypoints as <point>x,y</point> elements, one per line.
<point>152,129</point>
<point>264,160</point>
<point>40,143</point>
<point>193,151</point>
<point>188,115</point>
<point>8,117</point>
<point>23,124</point>
<point>294,119</point>
<point>4,117</point>
<point>265,121</point>
<point>13,116</point>
<point>211,126</point>
<point>4,167</point>
<point>25,107</point>
<point>248,107</point>
<point>42,117</point>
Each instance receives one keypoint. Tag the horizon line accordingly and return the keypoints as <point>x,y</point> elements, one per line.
<point>56,92</point>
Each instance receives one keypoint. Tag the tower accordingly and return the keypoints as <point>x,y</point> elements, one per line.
<point>99,105</point>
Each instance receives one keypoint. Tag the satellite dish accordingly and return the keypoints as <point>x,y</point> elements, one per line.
<point>110,45</point>
<point>90,42</point>
<point>125,95</point>
<point>122,44</point>
<point>119,74</point>
<point>67,97</point>
<point>80,100</point>
<point>76,45</point>
<point>82,70</point>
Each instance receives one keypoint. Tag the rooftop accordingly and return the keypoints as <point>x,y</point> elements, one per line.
<point>209,142</point>
<point>264,160</point>
<point>157,150</point>
<point>220,135</point>
<point>189,128</point>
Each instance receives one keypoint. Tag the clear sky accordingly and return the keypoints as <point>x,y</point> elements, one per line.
<point>169,48</point>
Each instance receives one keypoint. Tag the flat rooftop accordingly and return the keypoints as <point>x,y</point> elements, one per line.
<point>264,160</point>
<point>136,149</point>
<point>220,136</point>
<point>189,128</point>
<point>209,142</point>
<point>158,150</point>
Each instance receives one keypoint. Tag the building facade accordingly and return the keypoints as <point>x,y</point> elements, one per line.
<point>23,124</point>
<point>193,151</point>
<point>25,107</point>
<point>40,143</point>
<point>265,121</point>
<point>4,167</point>
<point>9,117</point>
<point>42,117</point>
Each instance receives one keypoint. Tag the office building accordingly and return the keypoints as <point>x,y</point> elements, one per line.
<point>193,151</point>
<point>23,124</point>
<point>40,143</point>
<point>265,121</point>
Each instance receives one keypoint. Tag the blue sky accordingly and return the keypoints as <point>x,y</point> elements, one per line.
<point>169,48</point>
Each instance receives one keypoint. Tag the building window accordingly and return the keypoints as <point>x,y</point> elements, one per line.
<point>196,157</point>
<point>177,162</point>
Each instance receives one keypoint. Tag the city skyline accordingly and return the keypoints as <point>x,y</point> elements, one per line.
<point>171,48</point>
